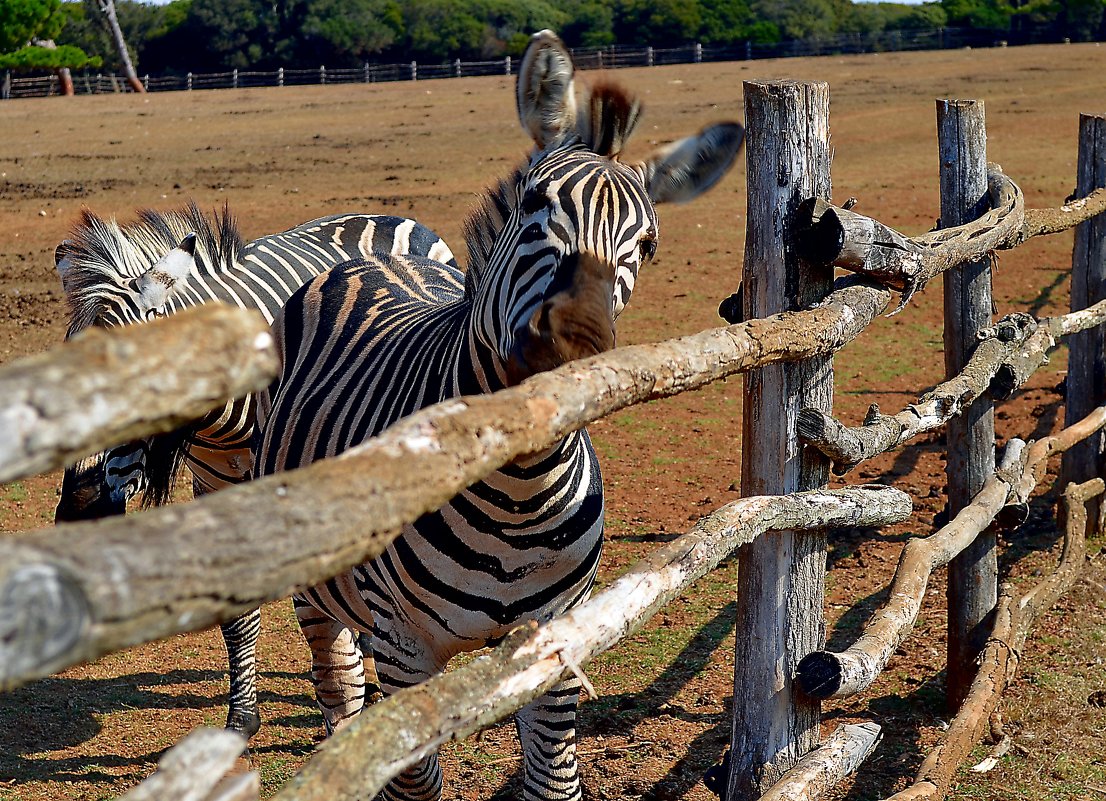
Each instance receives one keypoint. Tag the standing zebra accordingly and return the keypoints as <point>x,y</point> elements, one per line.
<point>554,253</point>
<point>165,261</point>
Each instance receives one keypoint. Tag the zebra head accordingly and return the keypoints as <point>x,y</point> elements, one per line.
<point>556,249</point>
<point>115,275</point>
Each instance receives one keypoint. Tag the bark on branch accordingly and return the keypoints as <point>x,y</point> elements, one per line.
<point>86,589</point>
<point>196,768</point>
<point>828,234</point>
<point>827,765</point>
<point>847,447</point>
<point>1000,658</point>
<point>825,674</point>
<point>405,727</point>
<point>110,386</point>
<point>1017,346</point>
<point>1033,352</point>
<point>1041,222</point>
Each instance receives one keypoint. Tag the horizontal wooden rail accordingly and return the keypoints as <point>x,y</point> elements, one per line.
<point>827,765</point>
<point>109,386</point>
<point>826,674</point>
<point>1033,353</point>
<point>1014,348</point>
<point>848,446</point>
<point>999,661</point>
<point>197,768</point>
<point>400,730</point>
<point>828,234</point>
<point>86,589</point>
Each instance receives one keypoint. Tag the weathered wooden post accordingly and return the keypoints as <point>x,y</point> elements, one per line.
<point>973,575</point>
<point>1086,384</point>
<point>280,76</point>
<point>781,577</point>
<point>234,78</point>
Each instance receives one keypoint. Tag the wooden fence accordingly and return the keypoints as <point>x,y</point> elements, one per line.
<point>611,57</point>
<point>87,589</point>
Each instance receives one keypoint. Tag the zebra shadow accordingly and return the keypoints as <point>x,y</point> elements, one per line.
<point>56,714</point>
<point>619,713</point>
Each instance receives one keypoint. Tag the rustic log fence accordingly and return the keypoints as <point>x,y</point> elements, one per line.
<point>83,590</point>
<point>586,58</point>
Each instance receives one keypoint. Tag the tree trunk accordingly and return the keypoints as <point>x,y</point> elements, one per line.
<point>108,8</point>
<point>65,82</point>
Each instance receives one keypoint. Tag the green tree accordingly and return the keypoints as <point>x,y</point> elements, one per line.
<point>985,14</point>
<point>27,41</point>
<point>727,22</point>
<point>590,23</point>
<point>643,22</point>
<point>351,30</point>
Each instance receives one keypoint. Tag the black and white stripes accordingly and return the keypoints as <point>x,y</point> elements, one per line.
<point>165,261</point>
<point>554,253</point>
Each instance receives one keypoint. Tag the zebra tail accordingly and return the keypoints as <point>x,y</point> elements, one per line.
<point>164,461</point>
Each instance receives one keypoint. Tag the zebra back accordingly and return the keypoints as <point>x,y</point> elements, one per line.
<point>106,267</point>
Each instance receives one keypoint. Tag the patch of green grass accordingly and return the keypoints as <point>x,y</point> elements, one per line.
<point>14,492</point>
<point>275,770</point>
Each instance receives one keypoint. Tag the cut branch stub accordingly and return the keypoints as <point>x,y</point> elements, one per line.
<point>828,234</point>
<point>847,447</point>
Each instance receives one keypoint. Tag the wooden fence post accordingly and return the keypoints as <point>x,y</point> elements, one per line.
<point>781,577</point>
<point>1086,384</point>
<point>973,575</point>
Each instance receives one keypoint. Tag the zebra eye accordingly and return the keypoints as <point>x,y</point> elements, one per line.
<point>648,248</point>
<point>153,314</point>
<point>533,202</point>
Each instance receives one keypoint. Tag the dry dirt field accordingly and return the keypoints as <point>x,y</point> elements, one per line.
<point>282,156</point>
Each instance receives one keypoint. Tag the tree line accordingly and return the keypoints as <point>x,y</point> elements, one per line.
<point>206,35</point>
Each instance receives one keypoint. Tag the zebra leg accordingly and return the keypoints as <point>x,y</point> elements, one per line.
<point>400,663</point>
<point>337,670</point>
<point>547,732</point>
<point>240,636</point>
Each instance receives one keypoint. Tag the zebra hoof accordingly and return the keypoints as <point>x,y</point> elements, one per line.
<point>246,723</point>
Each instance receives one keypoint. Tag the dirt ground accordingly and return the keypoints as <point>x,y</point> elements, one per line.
<point>282,156</point>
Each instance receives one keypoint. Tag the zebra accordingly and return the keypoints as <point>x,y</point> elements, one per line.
<point>554,253</point>
<point>115,275</point>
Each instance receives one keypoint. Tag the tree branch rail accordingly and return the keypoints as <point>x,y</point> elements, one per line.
<point>828,234</point>
<point>828,674</point>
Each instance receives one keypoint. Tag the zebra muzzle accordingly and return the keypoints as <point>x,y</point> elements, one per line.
<point>573,323</point>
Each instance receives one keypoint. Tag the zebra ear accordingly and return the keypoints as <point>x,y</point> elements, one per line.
<point>546,99</point>
<point>687,168</point>
<point>574,323</point>
<point>156,284</point>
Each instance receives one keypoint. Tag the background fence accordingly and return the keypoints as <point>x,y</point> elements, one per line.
<point>66,596</point>
<point>613,57</point>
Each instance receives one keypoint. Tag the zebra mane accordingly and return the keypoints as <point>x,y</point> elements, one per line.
<point>102,252</point>
<point>603,126</point>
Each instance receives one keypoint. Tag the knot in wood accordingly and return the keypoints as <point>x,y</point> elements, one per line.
<point>44,614</point>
